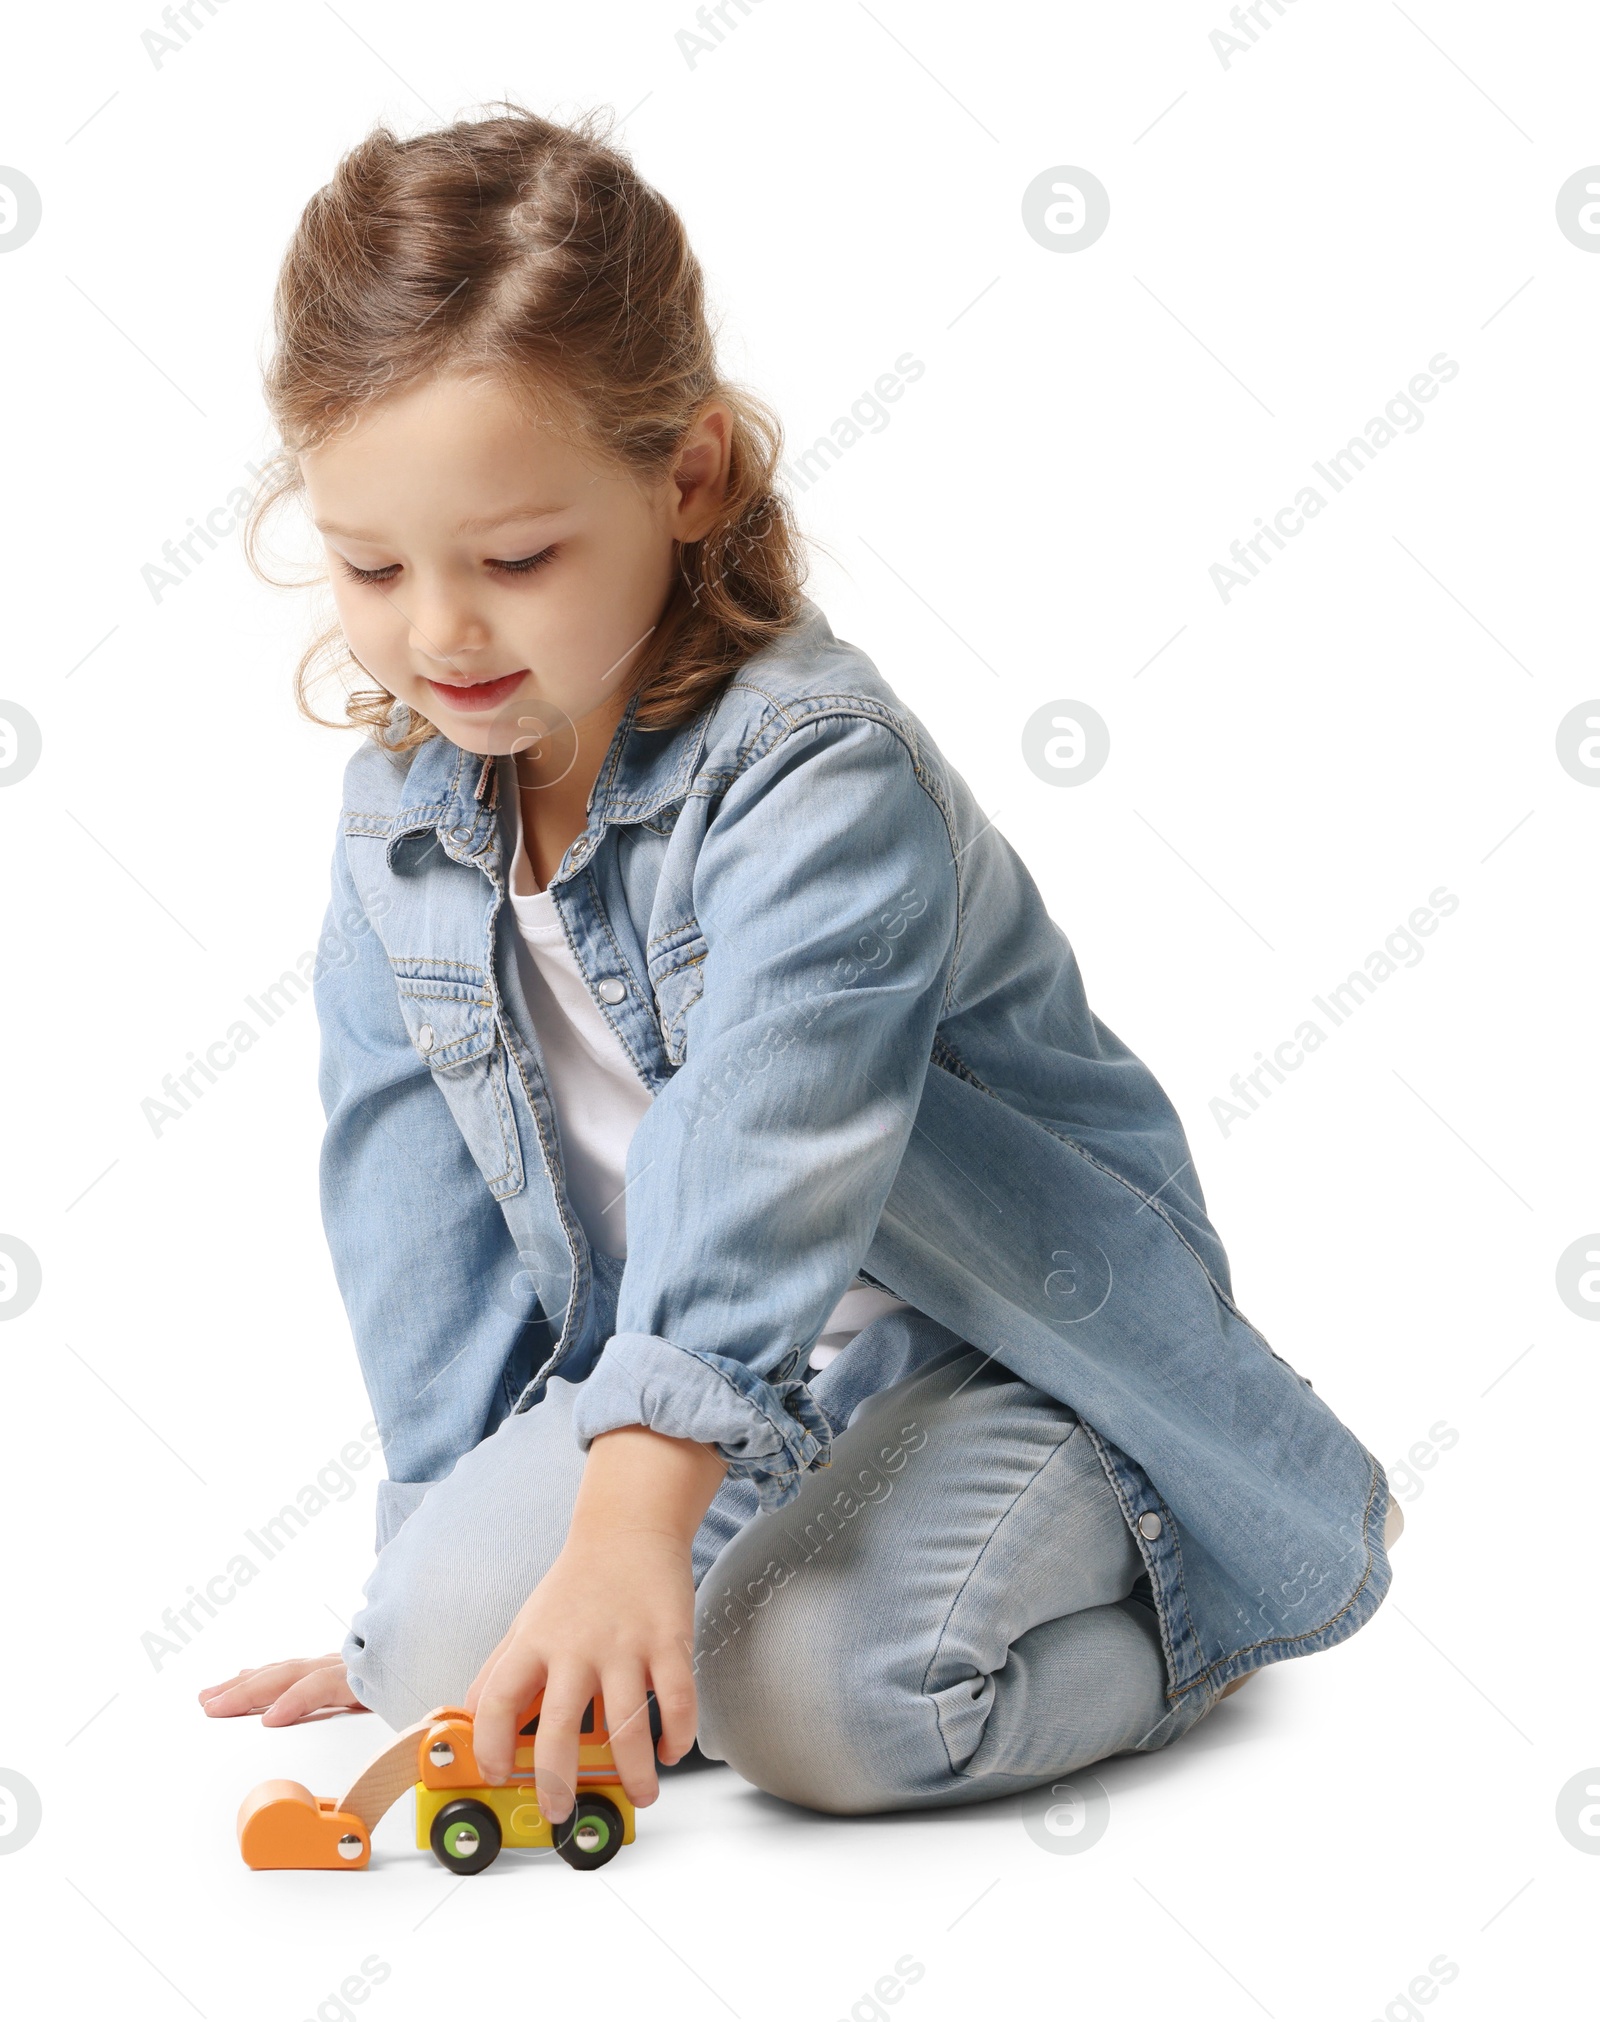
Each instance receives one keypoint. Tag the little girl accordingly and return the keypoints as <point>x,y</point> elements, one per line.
<point>788,1309</point>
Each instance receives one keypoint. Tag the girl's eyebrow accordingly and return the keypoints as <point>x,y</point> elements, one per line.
<point>483,526</point>
<point>526,512</point>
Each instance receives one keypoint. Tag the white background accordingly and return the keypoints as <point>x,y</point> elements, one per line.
<point>1293,235</point>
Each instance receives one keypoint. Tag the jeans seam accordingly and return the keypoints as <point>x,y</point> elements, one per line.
<point>971,1573</point>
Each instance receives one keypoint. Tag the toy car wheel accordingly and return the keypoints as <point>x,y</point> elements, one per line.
<point>465,1836</point>
<point>590,1834</point>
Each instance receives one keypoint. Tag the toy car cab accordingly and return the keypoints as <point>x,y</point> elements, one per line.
<point>466,1822</point>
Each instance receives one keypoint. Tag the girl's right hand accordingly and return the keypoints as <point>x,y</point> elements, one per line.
<point>283,1693</point>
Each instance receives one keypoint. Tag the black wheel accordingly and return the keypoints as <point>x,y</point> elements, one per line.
<point>465,1836</point>
<point>590,1834</point>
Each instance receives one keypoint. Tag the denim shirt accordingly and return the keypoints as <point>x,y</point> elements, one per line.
<point>870,1052</point>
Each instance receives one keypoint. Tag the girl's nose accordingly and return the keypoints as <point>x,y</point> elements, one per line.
<point>443,628</point>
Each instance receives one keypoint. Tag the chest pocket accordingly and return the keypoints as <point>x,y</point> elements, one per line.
<point>677,978</point>
<point>450,1019</point>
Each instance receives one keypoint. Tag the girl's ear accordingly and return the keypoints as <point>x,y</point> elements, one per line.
<point>700,472</point>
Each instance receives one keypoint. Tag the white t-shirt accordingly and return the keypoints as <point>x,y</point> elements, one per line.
<point>598,1097</point>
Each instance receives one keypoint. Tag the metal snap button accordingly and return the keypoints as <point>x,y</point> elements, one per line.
<point>461,834</point>
<point>612,989</point>
<point>1149,1525</point>
<point>424,1038</point>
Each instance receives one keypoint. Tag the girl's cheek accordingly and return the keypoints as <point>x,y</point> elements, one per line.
<point>371,641</point>
<point>344,610</point>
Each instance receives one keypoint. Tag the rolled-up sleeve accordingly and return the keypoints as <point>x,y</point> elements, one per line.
<point>825,891</point>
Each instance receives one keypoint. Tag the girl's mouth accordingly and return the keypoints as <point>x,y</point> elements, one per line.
<point>478,694</point>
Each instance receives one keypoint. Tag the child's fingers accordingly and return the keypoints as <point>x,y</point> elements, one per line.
<point>310,1694</point>
<point>253,1690</point>
<point>230,1700</point>
<point>555,1748</point>
<point>672,1675</point>
<point>512,1682</point>
<point>252,1672</point>
<point>484,1669</point>
<point>628,1718</point>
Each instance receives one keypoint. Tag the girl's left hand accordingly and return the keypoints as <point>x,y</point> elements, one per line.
<point>613,1615</point>
<point>297,1689</point>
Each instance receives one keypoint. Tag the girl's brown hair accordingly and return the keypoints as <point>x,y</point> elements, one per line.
<point>512,246</point>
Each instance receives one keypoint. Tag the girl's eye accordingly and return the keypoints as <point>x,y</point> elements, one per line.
<point>523,566</point>
<point>527,565</point>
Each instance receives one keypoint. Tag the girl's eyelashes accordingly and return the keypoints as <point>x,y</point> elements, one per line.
<point>524,566</point>
<point>527,565</point>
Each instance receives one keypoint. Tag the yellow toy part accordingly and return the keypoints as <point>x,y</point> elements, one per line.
<point>467,1829</point>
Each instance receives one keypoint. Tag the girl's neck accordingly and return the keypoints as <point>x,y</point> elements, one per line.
<point>555,802</point>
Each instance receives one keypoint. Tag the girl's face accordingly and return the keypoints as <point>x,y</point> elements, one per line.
<point>491,575</point>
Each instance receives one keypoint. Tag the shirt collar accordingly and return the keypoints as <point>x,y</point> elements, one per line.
<point>454,794</point>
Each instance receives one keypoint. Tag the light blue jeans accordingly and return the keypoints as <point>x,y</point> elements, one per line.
<point>946,1613</point>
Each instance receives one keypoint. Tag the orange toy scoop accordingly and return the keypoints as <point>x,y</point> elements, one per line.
<point>281,1825</point>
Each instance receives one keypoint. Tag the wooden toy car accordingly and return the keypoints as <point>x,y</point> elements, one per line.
<point>463,1819</point>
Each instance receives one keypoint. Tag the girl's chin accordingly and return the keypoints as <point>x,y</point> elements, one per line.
<point>479,737</point>
<point>531,729</point>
